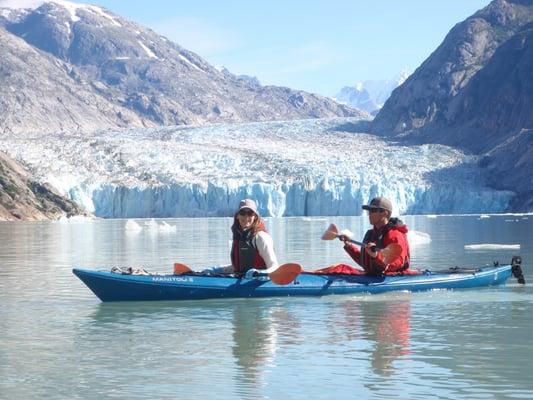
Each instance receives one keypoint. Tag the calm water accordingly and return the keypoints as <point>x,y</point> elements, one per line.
<point>57,340</point>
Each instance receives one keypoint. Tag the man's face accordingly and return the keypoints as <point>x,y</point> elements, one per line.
<point>377,216</point>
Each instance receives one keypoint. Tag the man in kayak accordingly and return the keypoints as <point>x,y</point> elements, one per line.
<point>252,249</point>
<point>385,231</point>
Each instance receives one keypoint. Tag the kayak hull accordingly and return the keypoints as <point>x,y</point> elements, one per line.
<point>108,286</point>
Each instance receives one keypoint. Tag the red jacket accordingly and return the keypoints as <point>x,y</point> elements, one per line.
<point>394,232</point>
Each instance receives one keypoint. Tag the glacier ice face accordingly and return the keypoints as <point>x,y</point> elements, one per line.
<point>294,168</point>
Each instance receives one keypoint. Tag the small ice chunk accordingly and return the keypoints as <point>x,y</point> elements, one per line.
<point>166,228</point>
<point>132,226</point>
<point>417,237</point>
<point>492,246</point>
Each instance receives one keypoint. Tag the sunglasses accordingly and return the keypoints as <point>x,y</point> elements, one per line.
<point>248,213</point>
<point>373,210</point>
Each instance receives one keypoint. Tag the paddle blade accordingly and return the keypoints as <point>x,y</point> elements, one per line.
<point>331,233</point>
<point>285,274</point>
<point>180,269</point>
<point>390,252</point>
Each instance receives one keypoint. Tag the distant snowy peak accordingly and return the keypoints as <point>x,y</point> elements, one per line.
<point>370,95</point>
<point>357,96</point>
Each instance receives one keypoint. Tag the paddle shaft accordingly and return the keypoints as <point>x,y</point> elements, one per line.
<point>354,241</point>
<point>373,248</point>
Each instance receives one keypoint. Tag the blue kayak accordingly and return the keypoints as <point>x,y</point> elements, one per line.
<point>111,286</point>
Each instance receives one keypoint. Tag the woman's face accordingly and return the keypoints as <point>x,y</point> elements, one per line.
<point>246,218</point>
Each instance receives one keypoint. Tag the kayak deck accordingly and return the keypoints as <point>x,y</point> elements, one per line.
<point>109,286</point>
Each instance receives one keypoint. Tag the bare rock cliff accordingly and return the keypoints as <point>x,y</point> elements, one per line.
<point>22,198</point>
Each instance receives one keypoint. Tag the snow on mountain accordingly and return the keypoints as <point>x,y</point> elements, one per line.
<point>370,95</point>
<point>295,168</point>
<point>357,95</point>
<point>70,6</point>
<point>21,4</point>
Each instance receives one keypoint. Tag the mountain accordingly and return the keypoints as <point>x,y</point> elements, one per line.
<point>72,66</point>
<point>425,97</point>
<point>39,92</point>
<point>497,102</point>
<point>23,198</point>
<point>357,96</point>
<point>475,92</point>
<point>370,95</point>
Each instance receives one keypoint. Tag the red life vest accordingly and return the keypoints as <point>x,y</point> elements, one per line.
<point>378,236</point>
<point>394,232</point>
<point>244,254</point>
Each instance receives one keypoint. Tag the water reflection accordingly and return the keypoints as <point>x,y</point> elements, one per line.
<point>379,330</point>
<point>259,331</point>
<point>382,327</point>
<point>388,326</point>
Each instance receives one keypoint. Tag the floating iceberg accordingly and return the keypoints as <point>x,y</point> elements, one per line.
<point>492,246</point>
<point>132,226</point>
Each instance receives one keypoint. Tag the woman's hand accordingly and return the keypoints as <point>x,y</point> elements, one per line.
<point>251,273</point>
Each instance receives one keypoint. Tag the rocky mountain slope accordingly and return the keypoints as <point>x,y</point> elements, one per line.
<point>424,98</point>
<point>38,93</point>
<point>476,92</point>
<point>22,198</point>
<point>494,116</point>
<point>78,67</point>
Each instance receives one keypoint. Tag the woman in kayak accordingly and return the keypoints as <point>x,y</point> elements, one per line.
<point>252,248</point>
<point>385,231</point>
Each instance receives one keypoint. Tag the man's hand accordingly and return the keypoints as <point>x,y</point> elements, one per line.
<point>343,238</point>
<point>371,249</point>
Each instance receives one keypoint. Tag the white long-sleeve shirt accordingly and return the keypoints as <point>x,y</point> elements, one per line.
<point>265,247</point>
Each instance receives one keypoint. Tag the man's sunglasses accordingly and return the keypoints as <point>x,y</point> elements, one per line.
<point>373,210</point>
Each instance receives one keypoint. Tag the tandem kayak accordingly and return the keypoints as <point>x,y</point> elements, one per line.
<point>111,286</point>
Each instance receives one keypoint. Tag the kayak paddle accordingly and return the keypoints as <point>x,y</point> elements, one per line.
<point>180,269</point>
<point>389,253</point>
<point>283,275</point>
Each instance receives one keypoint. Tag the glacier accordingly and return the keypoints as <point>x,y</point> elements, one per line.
<point>313,167</point>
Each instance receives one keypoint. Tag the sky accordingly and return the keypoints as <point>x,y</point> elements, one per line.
<point>314,45</point>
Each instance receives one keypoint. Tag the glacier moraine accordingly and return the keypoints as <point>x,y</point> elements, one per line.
<point>292,168</point>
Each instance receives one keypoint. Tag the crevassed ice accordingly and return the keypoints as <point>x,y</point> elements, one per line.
<point>295,168</point>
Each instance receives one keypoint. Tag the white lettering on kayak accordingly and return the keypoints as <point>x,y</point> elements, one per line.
<point>172,279</point>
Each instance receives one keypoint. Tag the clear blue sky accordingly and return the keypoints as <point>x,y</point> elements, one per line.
<point>318,46</point>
